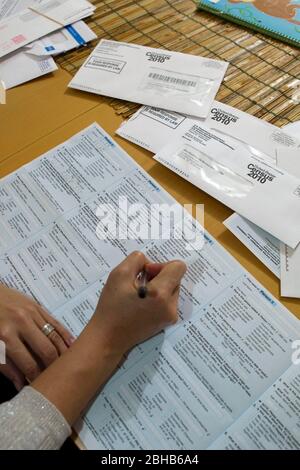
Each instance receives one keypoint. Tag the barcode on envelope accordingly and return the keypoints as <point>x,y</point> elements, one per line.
<point>173,80</point>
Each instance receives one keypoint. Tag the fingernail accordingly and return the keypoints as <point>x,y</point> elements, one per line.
<point>70,341</point>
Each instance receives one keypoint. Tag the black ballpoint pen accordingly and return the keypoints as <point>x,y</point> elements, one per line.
<point>142,279</point>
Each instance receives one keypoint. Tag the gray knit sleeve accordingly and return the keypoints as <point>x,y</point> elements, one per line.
<point>30,421</point>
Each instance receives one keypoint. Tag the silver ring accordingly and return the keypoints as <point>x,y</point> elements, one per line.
<point>47,329</point>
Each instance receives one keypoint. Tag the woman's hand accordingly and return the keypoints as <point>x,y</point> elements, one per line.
<point>28,350</point>
<point>121,320</point>
<point>122,317</point>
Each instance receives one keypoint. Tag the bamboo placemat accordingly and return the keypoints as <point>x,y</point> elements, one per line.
<point>263,78</point>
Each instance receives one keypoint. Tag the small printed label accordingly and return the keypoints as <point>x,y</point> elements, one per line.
<point>222,117</point>
<point>108,65</point>
<point>284,139</point>
<point>169,119</point>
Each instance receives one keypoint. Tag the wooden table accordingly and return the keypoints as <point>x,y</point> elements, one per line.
<point>44,113</point>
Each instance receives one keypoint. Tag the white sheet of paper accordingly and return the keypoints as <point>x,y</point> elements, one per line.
<point>19,67</point>
<point>152,128</point>
<point>253,187</point>
<point>290,259</point>
<point>290,271</point>
<point>66,39</point>
<point>263,245</point>
<point>10,7</point>
<point>156,77</point>
<point>260,428</point>
<point>260,242</point>
<point>183,388</point>
<point>293,128</point>
<point>27,26</point>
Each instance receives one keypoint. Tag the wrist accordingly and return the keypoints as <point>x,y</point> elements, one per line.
<point>104,339</point>
<point>98,345</point>
<point>79,373</point>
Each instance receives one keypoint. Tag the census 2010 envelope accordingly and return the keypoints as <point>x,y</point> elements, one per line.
<point>255,188</point>
<point>152,128</point>
<point>156,77</point>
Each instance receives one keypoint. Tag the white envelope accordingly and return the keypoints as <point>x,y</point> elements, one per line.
<point>263,245</point>
<point>156,77</point>
<point>19,67</point>
<point>290,259</point>
<point>255,188</point>
<point>66,39</point>
<point>152,128</point>
<point>10,7</point>
<point>289,271</point>
<point>27,25</point>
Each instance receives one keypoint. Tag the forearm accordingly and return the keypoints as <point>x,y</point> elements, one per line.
<point>38,417</point>
<point>72,381</point>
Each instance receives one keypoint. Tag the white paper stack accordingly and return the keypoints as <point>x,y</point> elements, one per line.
<point>38,20</point>
<point>20,67</point>
<point>33,60</point>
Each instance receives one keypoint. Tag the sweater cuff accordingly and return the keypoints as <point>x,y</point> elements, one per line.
<point>40,423</point>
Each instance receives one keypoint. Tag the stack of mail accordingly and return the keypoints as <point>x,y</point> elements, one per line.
<point>248,164</point>
<point>33,31</point>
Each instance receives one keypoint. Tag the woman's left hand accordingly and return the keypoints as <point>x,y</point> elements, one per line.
<point>28,349</point>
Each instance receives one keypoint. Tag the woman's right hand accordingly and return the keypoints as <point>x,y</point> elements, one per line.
<point>123,318</point>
